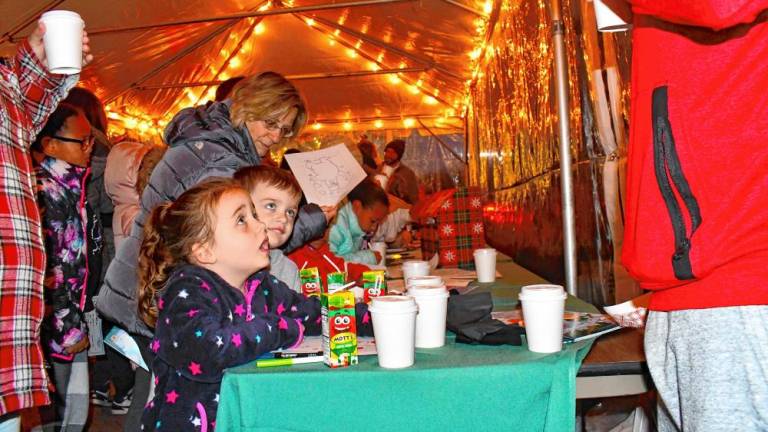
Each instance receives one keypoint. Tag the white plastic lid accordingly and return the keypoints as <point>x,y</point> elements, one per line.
<point>391,304</point>
<point>415,263</point>
<point>428,291</point>
<point>484,251</point>
<point>424,281</point>
<point>58,14</point>
<point>542,292</point>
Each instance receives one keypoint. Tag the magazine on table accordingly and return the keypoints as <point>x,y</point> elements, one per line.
<point>576,325</point>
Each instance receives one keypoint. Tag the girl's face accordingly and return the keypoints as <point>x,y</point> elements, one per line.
<point>268,132</point>
<point>369,218</point>
<point>231,254</point>
<point>72,143</point>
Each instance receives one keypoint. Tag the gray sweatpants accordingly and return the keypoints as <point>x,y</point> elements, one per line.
<point>710,367</point>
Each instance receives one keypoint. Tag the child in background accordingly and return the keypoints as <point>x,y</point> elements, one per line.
<point>128,168</point>
<point>318,254</point>
<point>73,243</point>
<point>217,309</point>
<point>276,195</point>
<point>367,206</point>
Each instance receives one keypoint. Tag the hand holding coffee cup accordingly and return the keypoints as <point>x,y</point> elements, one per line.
<point>61,43</point>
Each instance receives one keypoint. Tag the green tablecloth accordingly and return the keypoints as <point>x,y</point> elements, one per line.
<point>458,387</point>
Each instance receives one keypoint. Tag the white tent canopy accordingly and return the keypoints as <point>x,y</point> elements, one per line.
<point>154,58</point>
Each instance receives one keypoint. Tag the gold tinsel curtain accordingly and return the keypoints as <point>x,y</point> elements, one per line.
<point>513,140</point>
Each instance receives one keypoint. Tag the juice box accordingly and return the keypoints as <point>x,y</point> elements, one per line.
<point>374,284</point>
<point>310,281</point>
<point>339,325</point>
<point>336,280</point>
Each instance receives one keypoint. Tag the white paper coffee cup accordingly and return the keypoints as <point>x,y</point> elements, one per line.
<point>430,320</point>
<point>485,264</point>
<point>607,19</point>
<point>394,328</point>
<point>381,248</point>
<point>424,281</point>
<point>63,41</point>
<point>543,307</point>
<point>415,268</point>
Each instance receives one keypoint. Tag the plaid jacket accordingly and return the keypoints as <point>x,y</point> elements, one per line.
<point>27,96</point>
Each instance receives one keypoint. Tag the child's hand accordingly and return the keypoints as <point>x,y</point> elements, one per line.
<point>330,212</point>
<point>76,348</point>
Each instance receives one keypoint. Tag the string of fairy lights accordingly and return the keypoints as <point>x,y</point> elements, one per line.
<point>240,44</point>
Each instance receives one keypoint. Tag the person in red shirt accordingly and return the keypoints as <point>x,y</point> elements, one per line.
<point>317,254</point>
<point>28,95</point>
<point>696,221</point>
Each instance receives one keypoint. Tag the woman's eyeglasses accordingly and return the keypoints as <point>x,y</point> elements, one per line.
<point>273,125</point>
<point>82,142</point>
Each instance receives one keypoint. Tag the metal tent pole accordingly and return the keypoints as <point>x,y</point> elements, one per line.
<point>566,183</point>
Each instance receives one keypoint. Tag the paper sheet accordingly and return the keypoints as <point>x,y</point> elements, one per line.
<point>326,176</point>
<point>123,343</point>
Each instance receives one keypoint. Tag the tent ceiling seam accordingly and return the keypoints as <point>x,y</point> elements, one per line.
<point>369,58</point>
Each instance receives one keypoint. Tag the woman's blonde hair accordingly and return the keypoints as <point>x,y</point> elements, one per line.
<point>169,234</point>
<point>267,96</point>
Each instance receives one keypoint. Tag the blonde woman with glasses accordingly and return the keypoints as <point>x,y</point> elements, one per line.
<point>208,141</point>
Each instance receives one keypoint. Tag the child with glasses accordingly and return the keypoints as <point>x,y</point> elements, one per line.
<point>73,242</point>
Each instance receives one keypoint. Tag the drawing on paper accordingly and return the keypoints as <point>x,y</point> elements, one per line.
<point>326,176</point>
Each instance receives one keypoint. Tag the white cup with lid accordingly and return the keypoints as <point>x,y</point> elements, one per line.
<point>422,281</point>
<point>415,268</point>
<point>485,264</point>
<point>394,328</point>
<point>432,301</point>
<point>63,41</point>
<point>543,308</point>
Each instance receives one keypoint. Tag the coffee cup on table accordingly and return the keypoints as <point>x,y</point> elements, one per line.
<point>543,307</point>
<point>394,328</point>
<point>63,41</point>
<point>381,248</point>
<point>424,281</point>
<point>432,301</point>
<point>414,268</point>
<point>485,264</point>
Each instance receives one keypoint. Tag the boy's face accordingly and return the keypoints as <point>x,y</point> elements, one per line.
<point>278,209</point>
<point>369,218</point>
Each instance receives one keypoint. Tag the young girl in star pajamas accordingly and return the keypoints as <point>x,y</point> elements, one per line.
<point>218,307</point>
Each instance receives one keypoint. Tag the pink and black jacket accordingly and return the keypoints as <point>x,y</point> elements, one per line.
<point>73,240</point>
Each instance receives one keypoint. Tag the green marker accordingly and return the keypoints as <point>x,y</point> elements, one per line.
<point>287,361</point>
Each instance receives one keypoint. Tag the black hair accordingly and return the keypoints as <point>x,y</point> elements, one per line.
<point>90,105</point>
<point>369,193</point>
<point>284,163</point>
<point>54,124</point>
<point>225,88</point>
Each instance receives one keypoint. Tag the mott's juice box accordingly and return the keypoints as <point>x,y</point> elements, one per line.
<point>310,281</point>
<point>374,284</point>
<point>339,326</point>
